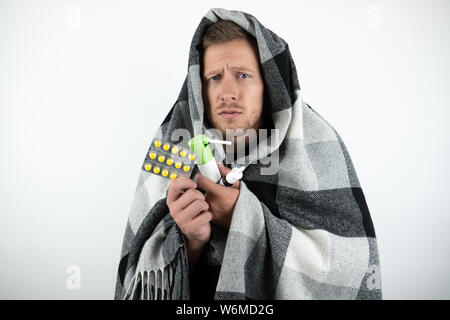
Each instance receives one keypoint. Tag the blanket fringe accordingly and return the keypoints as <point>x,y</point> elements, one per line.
<point>151,284</point>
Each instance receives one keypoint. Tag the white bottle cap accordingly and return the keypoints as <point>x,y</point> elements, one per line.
<point>234,175</point>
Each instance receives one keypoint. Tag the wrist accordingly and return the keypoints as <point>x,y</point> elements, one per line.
<point>194,250</point>
<point>195,244</point>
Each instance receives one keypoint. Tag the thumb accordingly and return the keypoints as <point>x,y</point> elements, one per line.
<point>223,169</point>
<point>206,184</point>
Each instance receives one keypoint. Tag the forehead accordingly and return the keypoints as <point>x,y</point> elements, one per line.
<point>235,53</point>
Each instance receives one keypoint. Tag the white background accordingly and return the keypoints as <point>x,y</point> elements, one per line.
<point>84,85</point>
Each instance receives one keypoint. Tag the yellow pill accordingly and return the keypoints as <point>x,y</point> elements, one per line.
<point>183,153</point>
<point>166,146</point>
<point>173,176</point>
<point>186,168</point>
<point>161,158</point>
<point>152,155</point>
<point>178,165</point>
<point>164,173</point>
<point>169,162</point>
<point>175,150</point>
<point>156,169</point>
<point>191,156</point>
<point>157,143</point>
<point>148,166</point>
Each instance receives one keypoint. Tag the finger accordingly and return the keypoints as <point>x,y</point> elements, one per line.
<point>236,185</point>
<point>177,185</point>
<point>191,211</point>
<point>208,185</point>
<point>203,218</point>
<point>224,170</point>
<point>186,199</point>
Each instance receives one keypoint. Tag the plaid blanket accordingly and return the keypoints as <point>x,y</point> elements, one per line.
<point>302,232</point>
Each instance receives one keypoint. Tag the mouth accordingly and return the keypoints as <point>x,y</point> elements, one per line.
<point>230,114</point>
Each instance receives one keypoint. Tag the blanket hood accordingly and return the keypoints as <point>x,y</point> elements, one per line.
<point>281,86</point>
<point>301,232</point>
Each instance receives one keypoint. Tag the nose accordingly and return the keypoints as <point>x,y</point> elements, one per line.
<point>229,91</point>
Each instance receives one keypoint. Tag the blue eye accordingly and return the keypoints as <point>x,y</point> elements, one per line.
<point>211,78</point>
<point>244,74</point>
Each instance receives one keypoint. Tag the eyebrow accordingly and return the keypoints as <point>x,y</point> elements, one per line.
<point>207,75</point>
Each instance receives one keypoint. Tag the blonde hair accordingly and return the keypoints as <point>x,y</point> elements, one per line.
<point>223,31</point>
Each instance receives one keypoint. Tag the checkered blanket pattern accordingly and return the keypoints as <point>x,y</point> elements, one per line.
<point>303,232</point>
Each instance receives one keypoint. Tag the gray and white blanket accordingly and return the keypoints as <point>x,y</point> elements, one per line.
<point>301,232</point>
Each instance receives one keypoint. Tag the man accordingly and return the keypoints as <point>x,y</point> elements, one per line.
<point>301,232</point>
<point>233,95</point>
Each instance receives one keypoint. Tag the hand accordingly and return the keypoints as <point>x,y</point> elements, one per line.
<point>190,211</point>
<point>221,199</point>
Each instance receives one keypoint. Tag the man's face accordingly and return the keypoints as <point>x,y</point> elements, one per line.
<point>232,86</point>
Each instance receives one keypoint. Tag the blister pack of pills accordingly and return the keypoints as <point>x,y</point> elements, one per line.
<point>168,160</point>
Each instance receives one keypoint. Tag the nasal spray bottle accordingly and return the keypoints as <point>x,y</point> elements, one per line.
<point>207,164</point>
